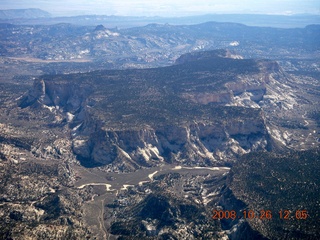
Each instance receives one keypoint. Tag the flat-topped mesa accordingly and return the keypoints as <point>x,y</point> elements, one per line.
<point>202,112</point>
<point>202,77</point>
<point>205,55</point>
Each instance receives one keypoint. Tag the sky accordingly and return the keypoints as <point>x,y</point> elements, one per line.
<point>165,7</point>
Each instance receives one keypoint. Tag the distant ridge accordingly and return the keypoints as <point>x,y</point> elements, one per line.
<point>279,21</point>
<point>23,13</point>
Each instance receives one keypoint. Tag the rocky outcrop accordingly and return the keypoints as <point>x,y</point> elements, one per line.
<point>65,94</point>
<point>196,144</point>
<point>36,94</point>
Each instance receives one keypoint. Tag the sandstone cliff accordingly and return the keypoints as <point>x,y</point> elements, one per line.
<point>202,112</point>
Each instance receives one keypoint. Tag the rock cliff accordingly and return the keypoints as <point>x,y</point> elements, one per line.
<point>192,113</point>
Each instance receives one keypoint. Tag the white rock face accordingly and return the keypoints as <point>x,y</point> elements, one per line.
<point>81,148</point>
<point>194,144</point>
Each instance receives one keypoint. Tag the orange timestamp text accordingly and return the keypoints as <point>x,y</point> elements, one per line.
<point>261,214</point>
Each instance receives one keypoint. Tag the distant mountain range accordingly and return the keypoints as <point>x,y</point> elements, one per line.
<point>38,16</point>
<point>149,46</point>
<point>29,13</point>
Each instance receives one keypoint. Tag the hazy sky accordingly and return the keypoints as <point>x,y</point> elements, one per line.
<point>165,7</point>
